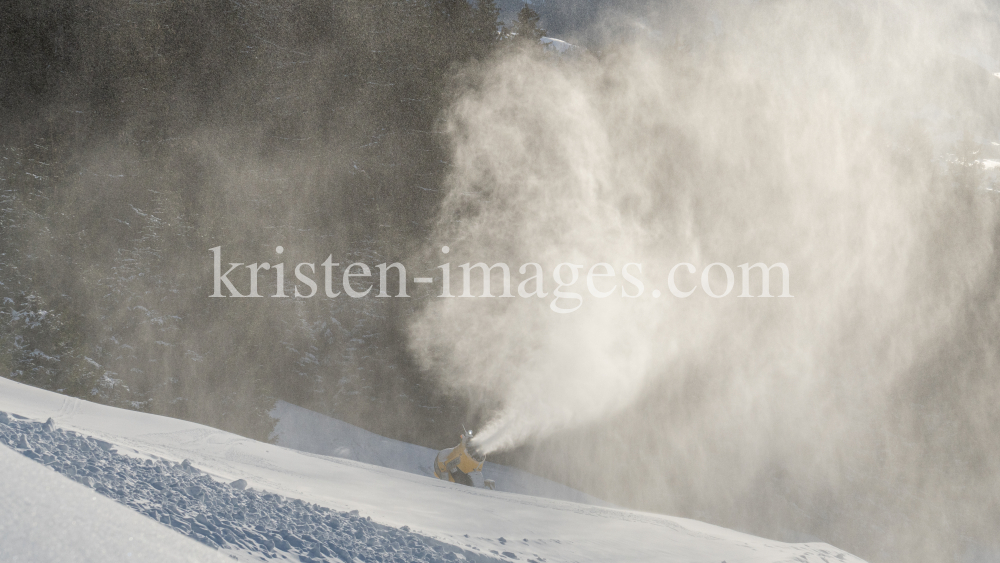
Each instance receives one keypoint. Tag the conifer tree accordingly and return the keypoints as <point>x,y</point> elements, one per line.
<point>486,23</point>
<point>526,26</point>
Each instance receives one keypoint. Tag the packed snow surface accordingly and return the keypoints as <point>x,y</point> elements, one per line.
<point>45,517</point>
<point>297,498</point>
<point>249,525</point>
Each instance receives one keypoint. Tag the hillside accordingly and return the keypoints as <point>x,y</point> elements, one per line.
<point>456,519</point>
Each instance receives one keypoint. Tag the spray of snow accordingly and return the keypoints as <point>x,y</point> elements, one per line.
<point>780,132</point>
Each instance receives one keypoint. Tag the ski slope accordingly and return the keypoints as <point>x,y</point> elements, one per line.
<point>308,431</point>
<point>46,517</point>
<point>501,526</point>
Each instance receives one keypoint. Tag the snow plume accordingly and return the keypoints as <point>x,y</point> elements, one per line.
<point>819,136</point>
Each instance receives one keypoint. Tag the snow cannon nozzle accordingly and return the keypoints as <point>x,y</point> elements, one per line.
<point>471,448</point>
<point>475,453</point>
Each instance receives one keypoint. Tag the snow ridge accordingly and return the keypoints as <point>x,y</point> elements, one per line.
<point>308,431</point>
<point>249,525</point>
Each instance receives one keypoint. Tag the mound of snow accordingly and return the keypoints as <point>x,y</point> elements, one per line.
<point>557,45</point>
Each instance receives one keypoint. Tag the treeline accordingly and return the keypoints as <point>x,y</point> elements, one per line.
<point>139,135</point>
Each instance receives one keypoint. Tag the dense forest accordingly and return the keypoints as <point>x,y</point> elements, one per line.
<point>137,136</point>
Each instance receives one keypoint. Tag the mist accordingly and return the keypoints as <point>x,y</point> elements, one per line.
<point>139,136</point>
<point>838,140</point>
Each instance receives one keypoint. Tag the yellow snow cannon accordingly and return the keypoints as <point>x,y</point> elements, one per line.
<point>462,464</point>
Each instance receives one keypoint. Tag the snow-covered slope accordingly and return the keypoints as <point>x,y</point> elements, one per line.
<point>480,521</point>
<point>309,431</point>
<point>46,517</point>
<point>248,525</point>
<point>557,45</point>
